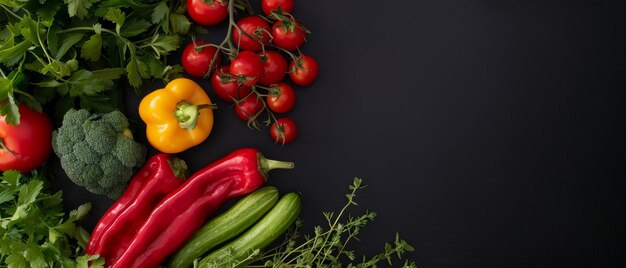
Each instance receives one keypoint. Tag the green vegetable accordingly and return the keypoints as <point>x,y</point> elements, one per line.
<point>231,223</point>
<point>78,49</point>
<point>97,151</point>
<point>34,229</point>
<point>259,236</point>
<point>328,247</point>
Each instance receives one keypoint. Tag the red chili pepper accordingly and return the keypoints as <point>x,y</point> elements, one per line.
<point>160,175</point>
<point>183,211</point>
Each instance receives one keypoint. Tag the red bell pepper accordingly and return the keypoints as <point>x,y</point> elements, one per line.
<point>160,175</point>
<point>183,211</point>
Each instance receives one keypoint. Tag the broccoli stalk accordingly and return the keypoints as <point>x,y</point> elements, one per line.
<point>98,151</point>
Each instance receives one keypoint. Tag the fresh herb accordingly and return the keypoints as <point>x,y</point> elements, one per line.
<point>327,247</point>
<point>74,51</point>
<point>34,229</point>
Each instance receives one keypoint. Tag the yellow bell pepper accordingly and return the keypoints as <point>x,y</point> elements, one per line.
<point>178,116</point>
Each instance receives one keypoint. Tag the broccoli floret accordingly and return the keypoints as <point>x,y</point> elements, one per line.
<point>63,145</point>
<point>75,117</point>
<point>129,152</point>
<point>117,191</point>
<point>78,134</point>
<point>91,177</point>
<point>111,166</point>
<point>71,165</point>
<point>95,153</point>
<point>117,120</point>
<point>101,136</point>
<point>84,153</point>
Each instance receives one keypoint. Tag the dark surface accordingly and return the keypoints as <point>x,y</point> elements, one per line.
<point>490,133</point>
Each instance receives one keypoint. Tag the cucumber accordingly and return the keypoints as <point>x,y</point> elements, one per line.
<point>231,223</point>
<point>259,236</point>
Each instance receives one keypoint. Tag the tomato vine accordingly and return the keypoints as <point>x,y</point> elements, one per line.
<point>277,33</point>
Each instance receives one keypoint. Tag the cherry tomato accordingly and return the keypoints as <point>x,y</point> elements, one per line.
<point>304,71</point>
<point>289,35</point>
<point>226,87</point>
<point>254,26</point>
<point>27,145</point>
<point>196,62</point>
<point>282,98</point>
<point>274,67</point>
<point>284,130</point>
<point>207,12</point>
<point>247,67</point>
<point>249,107</point>
<point>269,5</point>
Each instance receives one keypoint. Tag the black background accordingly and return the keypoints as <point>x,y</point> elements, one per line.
<point>490,133</point>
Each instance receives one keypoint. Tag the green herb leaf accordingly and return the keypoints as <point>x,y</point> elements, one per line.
<point>31,102</point>
<point>98,103</point>
<point>7,195</point>
<point>180,23</point>
<point>81,211</point>
<point>91,48</point>
<point>172,72</point>
<point>133,74</point>
<point>16,260</point>
<point>79,8</point>
<point>68,42</point>
<point>12,177</point>
<point>45,94</point>
<point>5,34</point>
<point>108,73</point>
<point>160,12</point>
<point>10,55</point>
<point>53,235</point>
<point>35,257</point>
<point>29,192</point>
<point>116,16</point>
<point>83,83</point>
<point>28,29</point>
<point>97,28</point>
<point>9,109</point>
<point>134,27</point>
<point>163,45</point>
<point>47,12</point>
<point>81,236</point>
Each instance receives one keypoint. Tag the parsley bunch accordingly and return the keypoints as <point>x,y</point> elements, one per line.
<point>34,229</point>
<point>74,51</point>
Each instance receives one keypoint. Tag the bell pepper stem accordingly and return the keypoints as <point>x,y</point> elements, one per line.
<point>179,167</point>
<point>4,147</point>
<point>187,114</point>
<point>265,165</point>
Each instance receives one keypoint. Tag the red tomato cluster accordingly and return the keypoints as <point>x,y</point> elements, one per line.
<point>258,48</point>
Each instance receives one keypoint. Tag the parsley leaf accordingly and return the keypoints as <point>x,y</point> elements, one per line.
<point>36,232</point>
<point>91,48</point>
<point>68,42</point>
<point>180,23</point>
<point>160,12</point>
<point>134,27</point>
<point>61,45</point>
<point>79,8</point>
<point>11,54</point>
